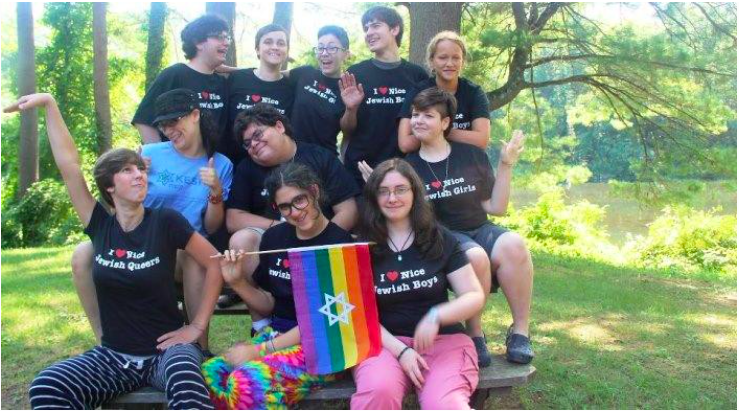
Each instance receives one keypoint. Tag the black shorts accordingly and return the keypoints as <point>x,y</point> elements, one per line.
<point>484,236</point>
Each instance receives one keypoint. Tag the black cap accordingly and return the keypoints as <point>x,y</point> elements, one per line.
<point>175,103</point>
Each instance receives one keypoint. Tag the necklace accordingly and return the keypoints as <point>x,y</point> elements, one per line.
<point>438,184</point>
<point>402,247</point>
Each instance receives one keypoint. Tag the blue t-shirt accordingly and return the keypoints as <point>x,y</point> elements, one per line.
<point>174,181</point>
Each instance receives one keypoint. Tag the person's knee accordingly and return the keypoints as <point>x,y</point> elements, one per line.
<point>378,392</point>
<point>245,239</point>
<point>512,249</point>
<point>46,391</point>
<point>480,261</point>
<point>443,400</point>
<point>82,261</point>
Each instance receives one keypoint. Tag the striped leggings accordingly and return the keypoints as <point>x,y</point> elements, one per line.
<point>90,379</point>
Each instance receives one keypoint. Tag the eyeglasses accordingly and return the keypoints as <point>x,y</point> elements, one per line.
<point>329,50</point>
<point>165,124</point>
<point>385,192</point>
<point>220,37</point>
<point>300,202</point>
<point>255,137</point>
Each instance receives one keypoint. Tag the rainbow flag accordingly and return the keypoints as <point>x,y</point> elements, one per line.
<point>335,304</point>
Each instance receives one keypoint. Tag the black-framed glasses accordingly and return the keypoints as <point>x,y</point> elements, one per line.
<point>255,137</point>
<point>165,124</point>
<point>329,50</point>
<point>220,37</point>
<point>385,192</point>
<point>300,202</point>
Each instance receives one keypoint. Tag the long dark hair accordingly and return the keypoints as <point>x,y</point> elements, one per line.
<point>373,226</point>
<point>208,132</point>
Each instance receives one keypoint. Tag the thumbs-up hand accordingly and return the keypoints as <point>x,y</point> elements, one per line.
<point>147,160</point>
<point>209,177</point>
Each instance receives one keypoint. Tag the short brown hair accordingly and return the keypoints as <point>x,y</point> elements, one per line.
<point>110,163</point>
<point>440,100</point>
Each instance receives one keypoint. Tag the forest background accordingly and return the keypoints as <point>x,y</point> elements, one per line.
<point>630,166</point>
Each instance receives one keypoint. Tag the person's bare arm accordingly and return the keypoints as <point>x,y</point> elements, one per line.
<point>148,133</point>
<point>345,214</point>
<point>216,210</point>
<point>237,219</point>
<point>65,153</point>
<point>478,135</point>
<point>497,204</point>
<point>407,142</point>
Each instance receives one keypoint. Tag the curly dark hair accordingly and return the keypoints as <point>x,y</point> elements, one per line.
<point>373,226</point>
<point>386,15</point>
<point>262,114</point>
<point>442,101</point>
<point>198,31</point>
<point>299,176</point>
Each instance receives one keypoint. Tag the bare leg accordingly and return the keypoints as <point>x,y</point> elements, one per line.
<point>515,274</point>
<point>83,283</point>
<point>481,264</point>
<point>193,276</point>
<point>247,240</point>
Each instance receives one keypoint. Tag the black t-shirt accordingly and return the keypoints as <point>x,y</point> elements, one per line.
<point>317,109</point>
<point>472,103</point>
<point>457,195</point>
<point>211,89</point>
<point>249,194</point>
<point>273,272</point>
<point>376,137</point>
<point>406,290</point>
<point>134,277</point>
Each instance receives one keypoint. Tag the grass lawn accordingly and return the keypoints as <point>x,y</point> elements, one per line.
<point>605,337</point>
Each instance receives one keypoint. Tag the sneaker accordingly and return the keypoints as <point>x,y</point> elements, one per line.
<point>483,355</point>
<point>518,348</point>
<point>207,355</point>
<point>228,300</point>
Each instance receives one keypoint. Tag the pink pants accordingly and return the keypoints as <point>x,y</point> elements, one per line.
<point>450,381</point>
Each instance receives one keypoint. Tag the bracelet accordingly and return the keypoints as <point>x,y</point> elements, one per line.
<point>407,347</point>
<point>213,199</point>
<point>433,315</point>
<point>271,223</point>
<point>262,349</point>
<point>272,343</point>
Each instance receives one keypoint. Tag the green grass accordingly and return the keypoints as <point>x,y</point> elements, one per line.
<point>605,337</point>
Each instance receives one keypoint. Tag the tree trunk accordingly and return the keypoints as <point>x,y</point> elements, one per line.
<point>227,10</point>
<point>284,17</point>
<point>156,43</point>
<point>28,152</point>
<point>103,122</point>
<point>427,19</point>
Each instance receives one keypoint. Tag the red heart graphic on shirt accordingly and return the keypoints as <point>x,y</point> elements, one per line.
<point>383,90</point>
<point>256,97</point>
<point>286,263</point>
<point>321,87</point>
<point>436,184</point>
<point>392,275</point>
<point>120,253</point>
<point>205,95</point>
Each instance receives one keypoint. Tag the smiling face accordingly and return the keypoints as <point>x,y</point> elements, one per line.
<point>427,125</point>
<point>448,60</point>
<point>299,207</point>
<point>272,49</point>
<point>330,64</point>
<point>129,185</point>
<point>264,143</point>
<point>215,48</point>
<point>182,132</point>
<point>395,197</point>
<point>379,36</point>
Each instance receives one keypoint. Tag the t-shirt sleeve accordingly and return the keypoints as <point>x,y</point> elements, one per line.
<point>297,73</point>
<point>240,189</point>
<point>146,112</point>
<point>455,257</point>
<point>480,104</point>
<point>99,215</point>
<point>226,177</point>
<point>177,227</point>
<point>339,184</point>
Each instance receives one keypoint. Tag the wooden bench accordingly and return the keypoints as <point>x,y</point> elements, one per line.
<point>497,379</point>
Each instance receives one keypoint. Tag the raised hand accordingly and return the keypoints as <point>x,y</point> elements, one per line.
<point>352,92</point>
<point>231,266</point>
<point>365,169</point>
<point>147,160</point>
<point>209,177</point>
<point>511,150</point>
<point>28,102</point>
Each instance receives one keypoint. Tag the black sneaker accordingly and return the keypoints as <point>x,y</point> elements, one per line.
<point>518,348</point>
<point>483,355</point>
<point>228,300</point>
<point>207,355</point>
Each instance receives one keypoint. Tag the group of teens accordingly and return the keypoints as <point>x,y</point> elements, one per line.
<point>166,209</point>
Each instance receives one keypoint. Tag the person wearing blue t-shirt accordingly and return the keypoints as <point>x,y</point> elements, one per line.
<point>185,175</point>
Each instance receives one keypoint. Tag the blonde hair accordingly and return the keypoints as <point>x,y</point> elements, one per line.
<point>448,35</point>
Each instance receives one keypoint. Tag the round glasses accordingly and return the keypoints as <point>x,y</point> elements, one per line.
<point>300,202</point>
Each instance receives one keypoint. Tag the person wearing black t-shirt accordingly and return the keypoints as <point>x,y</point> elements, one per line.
<point>144,339</point>
<point>266,134</point>
<point>445,55</point>
<point>295,191</point>
<point>205,42</point>
<point>265,84</point>
<point>373,92</point>
<point>318,106</point>
<point>462,187</point>
<point>415,262</point>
